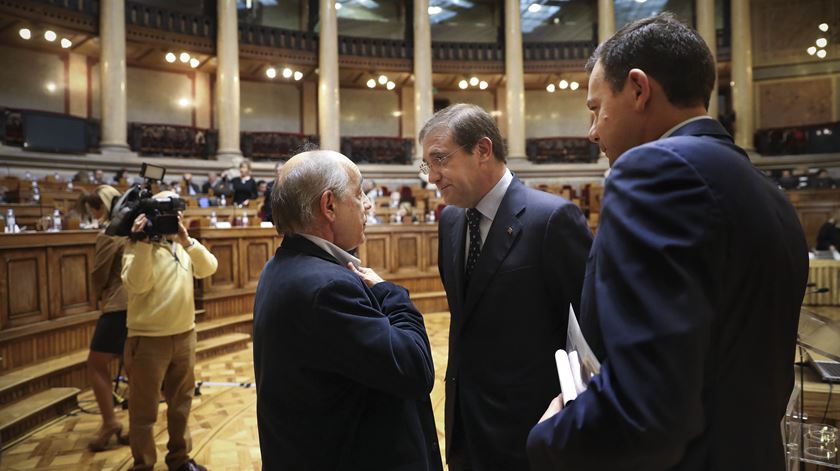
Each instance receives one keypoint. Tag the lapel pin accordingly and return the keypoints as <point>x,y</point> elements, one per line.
<point>509,231</point>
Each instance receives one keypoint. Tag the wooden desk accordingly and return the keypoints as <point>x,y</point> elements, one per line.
<point>826,274</point>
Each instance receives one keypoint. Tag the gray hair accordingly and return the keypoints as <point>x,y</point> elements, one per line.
<point>468,124</point>
<point>303,179</point>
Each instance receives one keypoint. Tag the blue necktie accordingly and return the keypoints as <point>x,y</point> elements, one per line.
<point>473,221</point>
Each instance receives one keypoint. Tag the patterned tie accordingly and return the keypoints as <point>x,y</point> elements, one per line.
<point>473,221</point>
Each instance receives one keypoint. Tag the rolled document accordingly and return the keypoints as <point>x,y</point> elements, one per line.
<point>567,380</point>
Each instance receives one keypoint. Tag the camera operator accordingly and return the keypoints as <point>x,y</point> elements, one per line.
<point>160,350</point>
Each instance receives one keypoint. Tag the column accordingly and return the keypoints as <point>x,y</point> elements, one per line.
<point>227,80</point>
<point>706,28</point>
<point>77,84</point>
<point>112,75</point>
<point>328,99</point>
<point>742,77</point>
<point>423,94</point>
<point>606,20</point>
<point>514,72</point>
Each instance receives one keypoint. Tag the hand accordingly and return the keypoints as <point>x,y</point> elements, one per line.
<point>554,408</point>
<point>183,235</point>
<point>137,228</point>
<point>366,274</point>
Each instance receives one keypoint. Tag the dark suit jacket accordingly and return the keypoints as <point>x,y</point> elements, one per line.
<point>343,371</point>
<point>506,327</point>
<point>691,302</point>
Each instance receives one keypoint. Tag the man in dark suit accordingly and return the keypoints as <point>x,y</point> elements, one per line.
<point>343,364</point>
<point>694,283</point>
<point>511,259</point>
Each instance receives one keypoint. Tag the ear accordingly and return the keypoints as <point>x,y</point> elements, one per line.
<point>327,205</point>
<point>640,85</point>
<point>484,148</point>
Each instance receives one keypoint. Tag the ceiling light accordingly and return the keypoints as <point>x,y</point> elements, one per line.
<point>434,10</point>
<point>25,33</point>
<point>821,53</point>
<point>463,84</point>
<point>183,102</point>
<point>51,87</point>
<point>50,35</point>
<point>170,57</point>
<point>557,21</point>
<point>66,43</point>
<point>534,7</point>
<point>563,85</point>
<point>194,62</point>
<point>298,75</point>
<point>383,79</point>
<point>390,85</point>
<point>287,72</point>
<point>823,27</point>
<point>822,42</point>
<point>337,6</point>
<point>574,86</point>
<point>812,50</point>
<point>483,85</point>
<point>184,57</point>
<point>550,88</point>
<point>473,81</point>
<point>371,83</point>
<point>271,72</point>
<point>641,1</point>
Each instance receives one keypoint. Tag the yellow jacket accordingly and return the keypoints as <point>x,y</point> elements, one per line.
<point>158,278</point>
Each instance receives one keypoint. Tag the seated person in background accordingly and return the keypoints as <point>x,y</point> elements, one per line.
<point>787,181</point>
<point>823,180</point>
<point>188,187</point>
<point>395,199</point>
<point>212,179</point>
<point>244,186</point>
<point>99,177</point>
<point>262,187</point>
<point>405,214</point>
<point>342,360</point>
<point>369,187</point>
<point>828,237</point>
<point>160,350</point>
<point>121,177</point>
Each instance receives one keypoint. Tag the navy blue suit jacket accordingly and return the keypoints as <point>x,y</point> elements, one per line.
<point>506,326</point>
<point>343,371</point>
<point>691,302</point>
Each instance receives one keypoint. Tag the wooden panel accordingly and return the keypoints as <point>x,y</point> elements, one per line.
<point>227,274</point>
<point>69,280</point>
<point>406,255</point>
<point>824,274</point>
<point>432,252</point>
<point>25,276</point>
<point>812,215</point>
<point>255,253</point>
<point>375,253</point>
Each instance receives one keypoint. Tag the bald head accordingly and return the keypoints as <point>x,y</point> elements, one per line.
<point>300,183</point>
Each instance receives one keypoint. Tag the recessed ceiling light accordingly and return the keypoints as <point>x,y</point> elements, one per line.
<point>463,84</point>
<point>434,10</point>
<point>50,35</point>
<point>821,53</point>
<point>574,86</point>
<point>823,27</point>
<point>170,57</point>
<point>812,50</point>
<point>473,81</point>
<point>534,7</point>
<point>184,57</point>
<point>550,88</point>
<point>25,33</point>
<point>287,72</point>
<point>51,87</point>
<point>298,75</point>
<point>271,72</point>
<point>194,62</point>
<point>822,42</point>
<point>563,84</point>
<point>383,79</point>
<point>390,85</point>
<point>371,83</point>
<point>337,6</point>
<point>66,43</point>
<point>483,85</point>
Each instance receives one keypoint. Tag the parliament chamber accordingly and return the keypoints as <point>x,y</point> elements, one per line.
<point>93,89</point>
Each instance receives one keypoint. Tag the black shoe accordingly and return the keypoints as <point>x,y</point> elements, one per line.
<point>191,465</point>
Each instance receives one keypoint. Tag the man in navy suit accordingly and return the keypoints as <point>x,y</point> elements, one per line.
<point>694,283</point>
<point>342,360</point>
<point>511,259</point>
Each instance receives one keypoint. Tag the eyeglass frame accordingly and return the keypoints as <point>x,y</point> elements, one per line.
<point>439,162</point>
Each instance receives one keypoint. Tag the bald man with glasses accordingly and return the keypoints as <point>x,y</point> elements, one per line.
<point>511,259</point>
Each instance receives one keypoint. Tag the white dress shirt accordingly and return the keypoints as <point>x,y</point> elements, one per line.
<point>488,206</point>
<point>340,254</point>
<point>689,120</point>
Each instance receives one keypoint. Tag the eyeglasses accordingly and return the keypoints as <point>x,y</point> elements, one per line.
<point>437,161</point>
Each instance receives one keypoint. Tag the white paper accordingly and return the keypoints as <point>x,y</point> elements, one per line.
<point>583,364</point>
<point>564,372</point>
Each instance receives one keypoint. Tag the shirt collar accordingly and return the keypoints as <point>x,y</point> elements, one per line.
<point>337,252</point>
<point>689,120</point>
<point>489,205</point>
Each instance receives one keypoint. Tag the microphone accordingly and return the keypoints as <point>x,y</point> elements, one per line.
<point>811,285</point>
<point>817,290</point>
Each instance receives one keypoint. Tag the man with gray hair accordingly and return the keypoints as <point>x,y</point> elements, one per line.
<point>342,360</point>
<point>512,260</point>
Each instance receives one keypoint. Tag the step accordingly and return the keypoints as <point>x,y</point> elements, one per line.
<point>221,344</point>
<point>225,325</point>
<point>15,384</point>
<point>19,417</point>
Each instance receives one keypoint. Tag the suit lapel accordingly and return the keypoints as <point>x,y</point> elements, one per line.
<point>503,234</point>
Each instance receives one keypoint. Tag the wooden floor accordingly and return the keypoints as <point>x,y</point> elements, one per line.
<point>223,421</point>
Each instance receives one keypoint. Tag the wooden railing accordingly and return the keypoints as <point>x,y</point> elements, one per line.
<point>139,14</point>
<point>277,37</point>
<point>561,150</point>
<point>88,7</point>
<point>273,145</point>
<point>374,47</point>
<point>378,150</point>
<point>172,140</point>
<point>452,51</point>
<point>564,51</point>
<point>809,139</point>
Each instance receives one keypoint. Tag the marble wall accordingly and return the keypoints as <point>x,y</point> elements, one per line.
<point>33,80</point>
<point>269,107</point>
<point>369,112</point>
<point>559,114</point>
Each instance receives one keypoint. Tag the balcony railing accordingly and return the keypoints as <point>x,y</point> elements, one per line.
<point>172,140</point>
<point>580,50</point>
<point>277,37</point>
<point>48,131</point>
<point>88,7</point>
<point>273,145</point>
<point>378,150</point>
<point>447,51</point>
<point>146,16</point>
<point>374,47</point>
<point>792,140</point>
<point>561,150</point>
